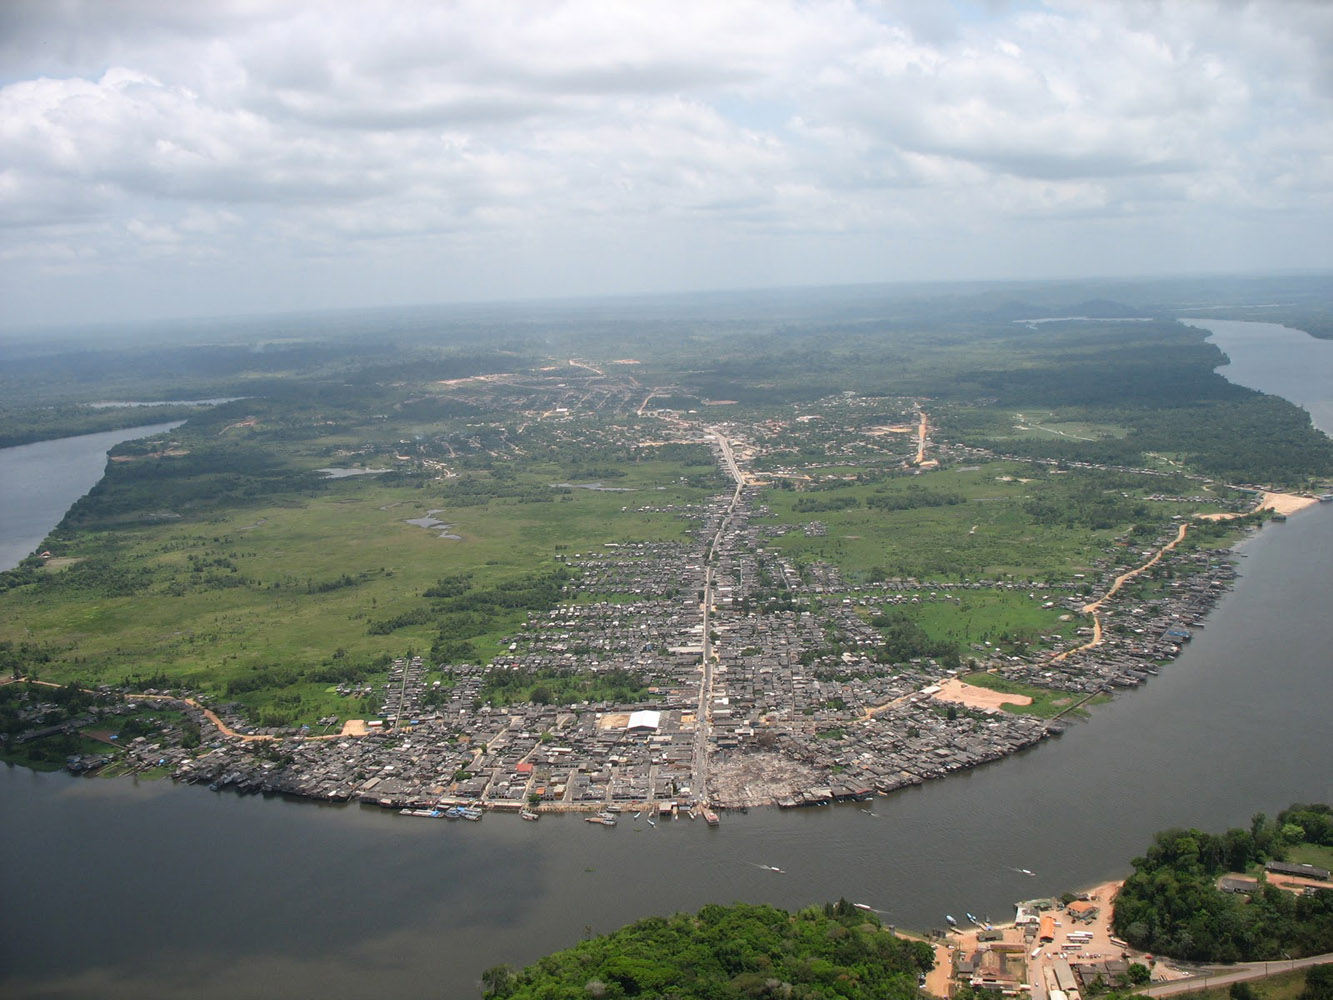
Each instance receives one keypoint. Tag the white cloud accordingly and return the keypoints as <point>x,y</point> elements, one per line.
<point>418,135</point>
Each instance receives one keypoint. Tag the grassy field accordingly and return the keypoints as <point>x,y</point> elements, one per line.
<point>270,593</point>
<point>1311,854</point>
<point>1002,619</point>
<point>1045,703</point>
<point>989,535</point>
<point>272,604</point>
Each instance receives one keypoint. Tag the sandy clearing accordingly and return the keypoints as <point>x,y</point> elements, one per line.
<point>355,727</point>
<point>1286,503</point>
<point>977,697</point>
<point>1279,503</point>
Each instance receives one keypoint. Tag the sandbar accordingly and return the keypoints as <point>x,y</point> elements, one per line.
<point>1286,503</point>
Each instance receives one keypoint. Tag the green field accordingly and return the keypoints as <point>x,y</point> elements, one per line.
<point>998,620</point>
<point>991,533</point>
<point>1045,703</point>
<point>1319,855</point>
<point>272,604</point>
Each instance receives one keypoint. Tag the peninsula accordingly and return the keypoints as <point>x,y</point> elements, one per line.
<point>602,581</point>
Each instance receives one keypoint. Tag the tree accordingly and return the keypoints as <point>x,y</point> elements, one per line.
<point>1318,983</point>
<point>497,982</point>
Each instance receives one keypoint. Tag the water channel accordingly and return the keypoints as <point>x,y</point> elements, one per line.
<point>39,482</point>
<point>116,889</point>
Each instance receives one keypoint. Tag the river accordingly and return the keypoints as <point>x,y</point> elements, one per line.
<point>117,889</point>
<point>39,482</point>
<point>1279,360</point>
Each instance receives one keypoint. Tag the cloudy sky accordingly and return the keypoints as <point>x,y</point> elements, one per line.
<point>160,157</point>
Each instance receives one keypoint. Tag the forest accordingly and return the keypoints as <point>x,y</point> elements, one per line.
<point>729,953</point>
<point>1172,905</point>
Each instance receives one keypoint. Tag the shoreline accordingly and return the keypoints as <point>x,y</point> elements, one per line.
<point>236,774</point>
<point>499,762</point>
<point>1035,952</point>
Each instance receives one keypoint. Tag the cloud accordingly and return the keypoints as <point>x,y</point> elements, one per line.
<point>303,129</point>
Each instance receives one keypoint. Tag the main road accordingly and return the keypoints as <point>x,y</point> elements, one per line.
<point>703,722</point>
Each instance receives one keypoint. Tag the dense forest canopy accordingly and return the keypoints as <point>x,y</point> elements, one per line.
<point>1172,904</point>
<point>729,953</point>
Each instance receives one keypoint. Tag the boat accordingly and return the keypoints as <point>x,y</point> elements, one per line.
<point>710,817</point>
<point>864,906</point>
<point>952,921</point>
<point>530,815</point>
<point>973,919</point>
<point>469,813</point>
<point>604,818</point>
<point>1026,872</point>
<point>638,814</point>
<point>650,821</point>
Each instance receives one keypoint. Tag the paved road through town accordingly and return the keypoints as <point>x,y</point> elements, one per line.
<point>703,720</point>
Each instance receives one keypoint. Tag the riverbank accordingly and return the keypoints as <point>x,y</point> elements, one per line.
<point>1054,948</point>
<point>402,768</point>
<point>1286,503</point>
<point>283,871</point>
<point>43,479</point>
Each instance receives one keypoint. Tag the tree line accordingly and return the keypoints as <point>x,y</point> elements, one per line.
<point>1172,905</point>
<point>730,953</point>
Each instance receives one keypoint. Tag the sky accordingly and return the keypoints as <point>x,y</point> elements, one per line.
<point>165,158</point>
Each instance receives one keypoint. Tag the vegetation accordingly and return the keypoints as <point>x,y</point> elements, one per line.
<point>1045,702</point>
<point>560,687</point>
<point>1171,904</point>
<point>1286,985</point>
<point>217,557</point>
<point>726,952</point>
<point>26,425</point>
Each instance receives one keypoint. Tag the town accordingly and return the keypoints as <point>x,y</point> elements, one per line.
<point>764,680</point>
